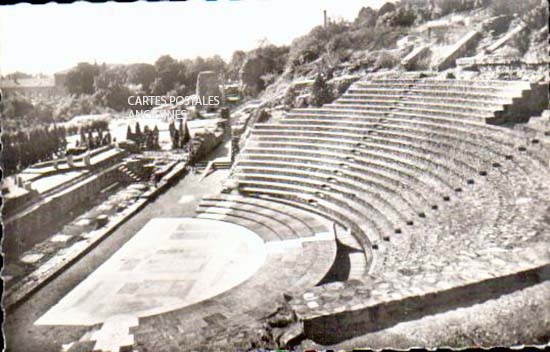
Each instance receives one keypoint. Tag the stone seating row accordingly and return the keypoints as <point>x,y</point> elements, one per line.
<point>369,147</point>
<point>454,94</point>
<point>363,97</point>
<point>363,152</point>
<point>281,221</point>
<point>400,184</point>
<point>475,155</point>
<point>446,86</point>
<point>404,137</point>
<point>295,196</point>
<point>314,223</point>
<point>362,155</point>
<point>307,173</point>
<point>412,109</point>
<point>391,194</point>
<point>438,104</point>
<point>399,163</point>
<point>483,84</point>
<point>379,203</point>
<point>431,143</point>
<point>479,82</point>
<point>503,140</point>
<point>370,219</point>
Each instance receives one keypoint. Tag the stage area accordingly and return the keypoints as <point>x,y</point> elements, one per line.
<point>169,264</point>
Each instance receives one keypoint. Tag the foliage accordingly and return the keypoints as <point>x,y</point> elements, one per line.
<point>179,136</point>
<point>445,7</point>
<point>401,17</point>
<point>148,139</point>
<point>386,8</point>
<point>310,47</point>
<point>366,18</point>
<point>321,92</point>
<point>111,90</point>
<point>169,72</point>
<point>342,85</point>
<point>80,80</point>
<point>510,7</point>
<point>142,74</point>
<point>289,99</point>
<point>17,106</point>
<point>26,147</point>
<point>235,64</point>
<point>386,60</point>
<point>69,107</point>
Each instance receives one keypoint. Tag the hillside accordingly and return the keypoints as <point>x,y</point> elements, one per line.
<point>410,35</point>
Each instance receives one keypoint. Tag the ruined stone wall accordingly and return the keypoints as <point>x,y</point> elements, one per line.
<point>49,215</point>
<point>460,49</point>
<point>339,311</point>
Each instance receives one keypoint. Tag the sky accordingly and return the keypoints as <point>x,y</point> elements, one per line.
<point>54,37</point>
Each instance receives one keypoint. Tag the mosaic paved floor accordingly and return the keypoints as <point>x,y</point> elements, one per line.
<point>170,263</point>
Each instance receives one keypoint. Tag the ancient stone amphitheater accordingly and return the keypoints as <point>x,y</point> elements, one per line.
<point>403,198</point>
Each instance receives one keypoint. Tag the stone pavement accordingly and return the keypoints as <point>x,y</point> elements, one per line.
<point>169,264</point>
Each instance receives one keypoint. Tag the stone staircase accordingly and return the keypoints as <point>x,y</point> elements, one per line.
<point>128,174</point>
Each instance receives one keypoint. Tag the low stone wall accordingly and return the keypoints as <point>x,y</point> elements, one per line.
<point>410,61</point>
<point>338,311</point>
<point>35,224</point>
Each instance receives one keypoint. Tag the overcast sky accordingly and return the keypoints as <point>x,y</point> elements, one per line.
<point>49,38</point>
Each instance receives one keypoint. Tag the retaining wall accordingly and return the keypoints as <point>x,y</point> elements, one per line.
<point>35,224</point>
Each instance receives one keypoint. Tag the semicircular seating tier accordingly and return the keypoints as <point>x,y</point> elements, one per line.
<point>431,190</point>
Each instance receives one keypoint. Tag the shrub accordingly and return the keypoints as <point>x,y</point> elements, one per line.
<point>321,92</point>
<point>511,7</point>
<point>445,7</point>
<point>386,60</point>
<point>290,98</point>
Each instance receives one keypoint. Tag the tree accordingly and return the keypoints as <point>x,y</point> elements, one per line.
<point>142,74</point>
<point>321,92</point>
<point>147,138</point>
<point>156,135</point>
<point>170,73</point>
<point>80,80</point>
<point>176,139</point>
<point>110,89</point>
<point>91,140</point>
<point>17,107</point>
<point>290,97</point>
<point>83,140</point>
<point>235,64</point>
<point>216,64</point>
<point>138,136</point>
<point>107,139</point>
<point>129,134</point>
<point>183,133</point>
